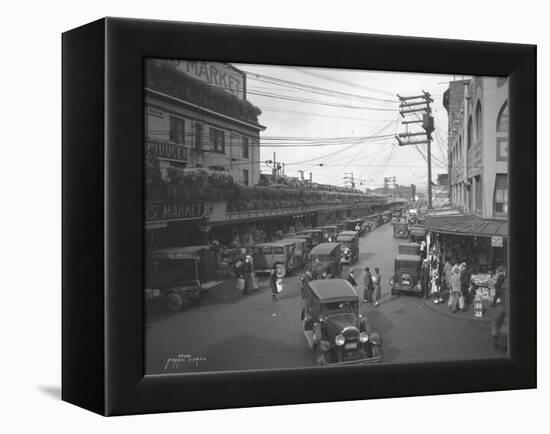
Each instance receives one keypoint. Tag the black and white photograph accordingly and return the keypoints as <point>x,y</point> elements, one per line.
<point>303,217</point>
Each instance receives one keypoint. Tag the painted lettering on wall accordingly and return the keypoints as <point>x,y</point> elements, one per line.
<point>217,74</point>
<point>158,211</point>
<point>168,151</point>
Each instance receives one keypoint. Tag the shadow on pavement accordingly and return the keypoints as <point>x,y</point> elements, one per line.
<point>51,391</point>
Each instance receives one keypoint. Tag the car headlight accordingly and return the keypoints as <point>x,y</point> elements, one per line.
<point>340,340</point>
<point>363,337</point>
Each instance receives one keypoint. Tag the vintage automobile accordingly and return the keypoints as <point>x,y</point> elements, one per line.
<point>330,232</point>
<point>406,276</point>
<point>301,251</point>
<point>324,261</point>
<point>417,233</point>
<point>400,230</point>
<point>317,236</point>
<point>349,244</point>
<point>386,216</point>
<point>307,237</point>
<point>334,329</point>
<point>408,249</point>
<point>172,275</point>
<point>281,254</point>
<point>354,225</point>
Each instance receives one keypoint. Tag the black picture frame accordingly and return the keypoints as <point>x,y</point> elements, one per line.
<point>103,219</point>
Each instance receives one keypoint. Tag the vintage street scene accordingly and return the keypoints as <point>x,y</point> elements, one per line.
<point>299,217</point>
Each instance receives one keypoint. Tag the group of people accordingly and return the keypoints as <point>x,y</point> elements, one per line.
<point>439,279</point>
<point>373,285</point>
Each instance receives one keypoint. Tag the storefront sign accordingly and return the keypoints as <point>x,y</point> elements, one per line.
<point>159,211</point>
<point>496,241</point>
<point>217,74</point>
<point>168,151</point>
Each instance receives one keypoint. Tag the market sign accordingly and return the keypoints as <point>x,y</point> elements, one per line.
<point>217,74</point>
<point>168,151</point>
<point>162,211</point>
<point>496,241</point>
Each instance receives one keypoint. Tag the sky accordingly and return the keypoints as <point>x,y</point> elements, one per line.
<point>333,123</point>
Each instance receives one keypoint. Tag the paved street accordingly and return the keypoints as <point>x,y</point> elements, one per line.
<point>229,331</point>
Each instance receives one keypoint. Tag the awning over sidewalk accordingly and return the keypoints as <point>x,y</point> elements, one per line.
<point>461,224</point>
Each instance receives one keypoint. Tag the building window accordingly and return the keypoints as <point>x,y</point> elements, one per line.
<point>503,119</point>
<point>479,194</point>
<point>177,130</point>
<point>501,195</point>
<point>479,124</point>
<point>470,196</point>
<point>199,136</point>
<point>217,140</point>
<point>245,177</point>
<point>470,133</point>
<point>245,147</point>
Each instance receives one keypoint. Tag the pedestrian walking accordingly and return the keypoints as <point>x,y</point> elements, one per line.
<point>465,278</point>
<point>351,279</point>
<point>367,293</point>
<point>499,295</point>
<point>447,273</point>
<point>435,284</point>
<point>273,283</point>
<point>377,284</point>
<point>425,278</point>
<point>247,274</point>
<point>455,289</point>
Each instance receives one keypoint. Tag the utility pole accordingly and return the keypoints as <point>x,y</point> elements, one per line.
<point>274,165</point>
<point>386,182</point>
<point>348,180</point>
<point>411,106</point>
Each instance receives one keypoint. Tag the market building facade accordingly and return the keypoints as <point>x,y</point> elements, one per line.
<point>477,225</point>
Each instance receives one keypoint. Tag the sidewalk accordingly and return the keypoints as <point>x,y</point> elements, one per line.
<point>489,312</point>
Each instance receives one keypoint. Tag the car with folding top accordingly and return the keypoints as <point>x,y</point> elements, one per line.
<point>178,275</point>
<point>282,254</point>
<point>406,275</point>
<point>335,330</point>
<point>349,244</point>
<point>324,261</point>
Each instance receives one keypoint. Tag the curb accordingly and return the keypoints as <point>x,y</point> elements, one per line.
<point>428,304</point>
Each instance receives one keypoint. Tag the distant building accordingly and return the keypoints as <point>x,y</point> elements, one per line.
<point>197,116</point>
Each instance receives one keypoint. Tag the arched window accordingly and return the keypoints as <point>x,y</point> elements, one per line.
<point>503,119</point>
<point>470,133</point>
<point>479,125</point>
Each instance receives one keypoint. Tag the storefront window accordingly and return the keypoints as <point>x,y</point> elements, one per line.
<point>245,177</point>
<point>479,194</point>
<point>177,130</point>
<point>501,195</point>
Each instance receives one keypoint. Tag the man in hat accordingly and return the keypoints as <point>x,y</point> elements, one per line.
<point>351,279</point>
<point>367,294</point>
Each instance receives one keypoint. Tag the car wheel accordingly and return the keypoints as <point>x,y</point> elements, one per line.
<point>174,301</point>
<point>376,350</point>
<point>280,270</point>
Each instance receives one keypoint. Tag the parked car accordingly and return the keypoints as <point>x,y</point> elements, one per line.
<point>317,236</point>
<point>400,230</point>
<point>324,261</point>
<point>172,278</point>
<point>349,244</point>
<point>330,232</point>
<point>354,225</point>
<point>301,251</point>
<point>406,275</point>
<point>417,234</point>
<point>334,328</point>
<point>281,253</point>
<point>409,249</point>
<point>307,237</point>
